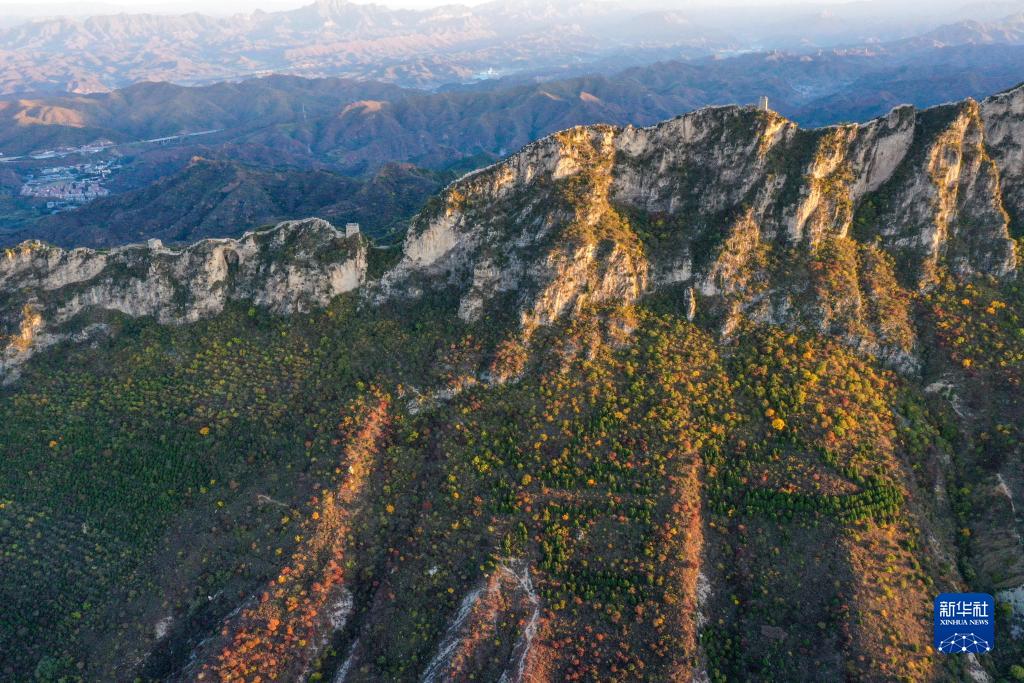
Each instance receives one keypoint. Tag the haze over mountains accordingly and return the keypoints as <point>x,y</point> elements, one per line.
<point>449,44</point>
<point>330,37</point>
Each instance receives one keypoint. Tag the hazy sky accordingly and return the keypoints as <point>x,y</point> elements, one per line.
<point>83,7</point>
<point>23,8</point>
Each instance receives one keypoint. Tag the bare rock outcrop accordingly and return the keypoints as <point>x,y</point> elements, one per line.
<point>292,267</point>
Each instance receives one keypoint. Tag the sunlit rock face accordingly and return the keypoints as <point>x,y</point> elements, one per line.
<point>293,267</point>
<point>753,212</point>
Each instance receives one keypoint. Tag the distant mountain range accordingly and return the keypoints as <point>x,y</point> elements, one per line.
<point>355,124</point>
<point>815,89</point>
<point>449,44</point>
<point>329,37</point>
<point>151,110</point>
<point>1007,31</point>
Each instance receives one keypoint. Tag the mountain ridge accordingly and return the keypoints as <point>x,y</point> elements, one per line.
<point>822,208</point>
<point>586,186</point>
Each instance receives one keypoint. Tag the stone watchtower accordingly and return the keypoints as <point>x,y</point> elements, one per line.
<point>351,229</point>
<point>762,103</point>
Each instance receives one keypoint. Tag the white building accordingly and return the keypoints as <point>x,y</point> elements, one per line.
<point>351,229</point>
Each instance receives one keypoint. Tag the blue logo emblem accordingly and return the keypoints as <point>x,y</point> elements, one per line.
<point>965,622</point>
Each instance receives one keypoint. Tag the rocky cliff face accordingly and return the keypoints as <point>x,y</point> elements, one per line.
<point>1004,139</point>
<point>746,213</point>
<point>50,294</point>
<point>541,224</point>
<point>830,228</point>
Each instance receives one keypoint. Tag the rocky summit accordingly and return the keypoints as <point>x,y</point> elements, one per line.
<point>722,398</point>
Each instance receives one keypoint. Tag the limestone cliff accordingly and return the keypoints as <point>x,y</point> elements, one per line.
<point>1004,138</point>
<point>48,293</point>
<point>750,214</point>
